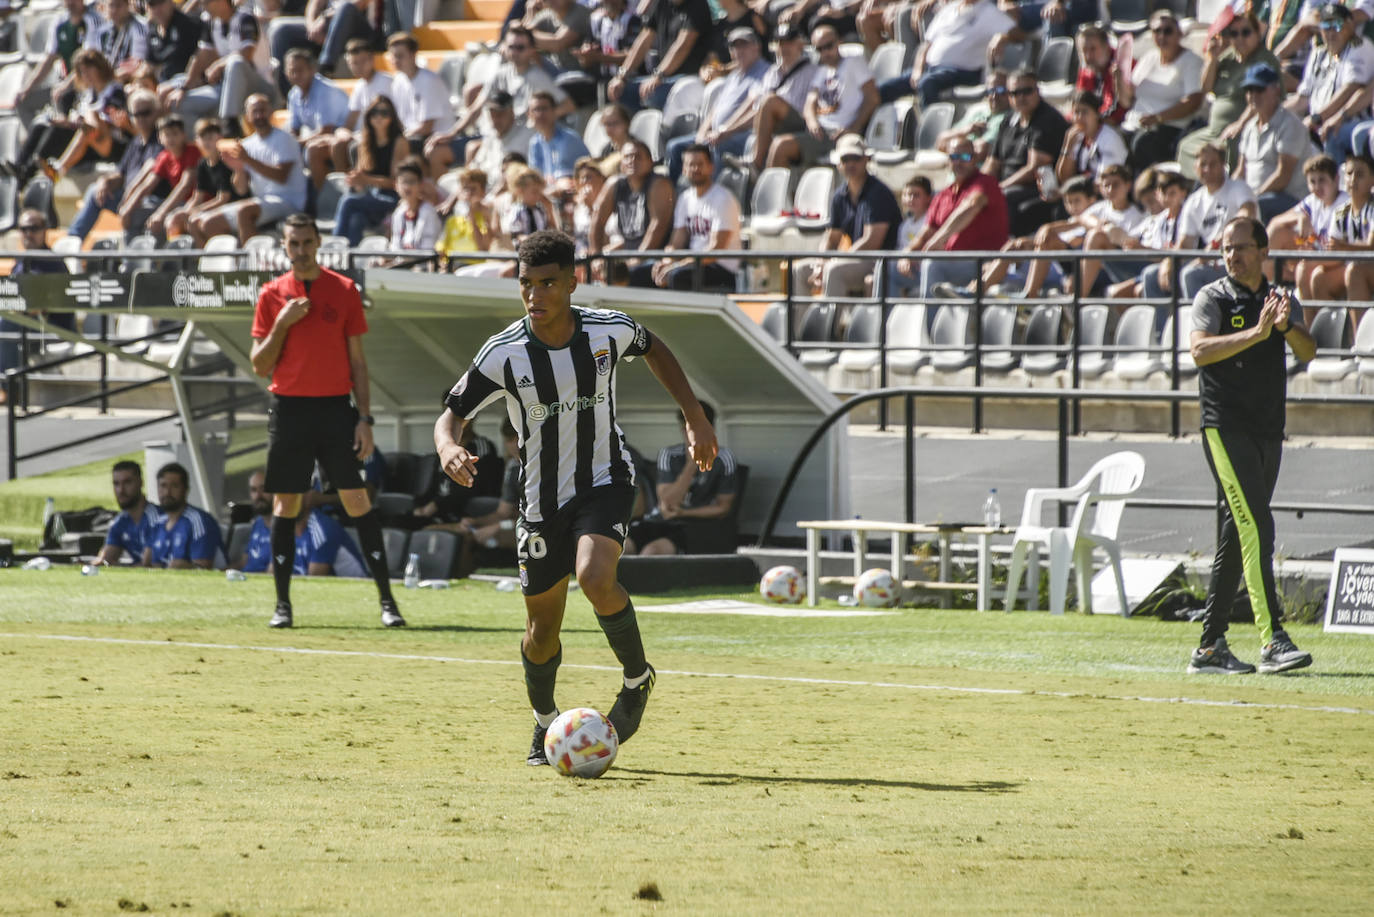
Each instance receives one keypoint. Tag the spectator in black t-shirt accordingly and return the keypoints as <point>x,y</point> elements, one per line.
<point>862,210</point>
<point>33,235</point>
<point>672,45</point>
<point>214,184</point>
<point>172,39</point>
<point>1030,138</point>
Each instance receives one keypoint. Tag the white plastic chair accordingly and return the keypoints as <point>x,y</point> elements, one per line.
<point>1137,329</point>
<point>1186,365</point>
<point>1329,329</point>
<point>333,252</point>
<point>69,245</point>
<point>647,126</point>
<point>1099,498</point>
<point>220,243</point>
<point>1364,344</point>
<point>813,198</point>
<point>769,201</point>
<point>907,339</point>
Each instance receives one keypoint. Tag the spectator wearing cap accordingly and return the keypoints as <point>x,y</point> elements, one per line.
<point>33,236</point>
<point>960,40</point>
<point>554,149</point>
<point>1332,95</point>
<point>864,211</point>
<point>672,45</point>
<point>222,75</point>
<point>726,121</point>
<point>109,190</point>
<point>970,214</point>
<point>1272,145</point>
<point>734,15</point>
<point>1163,94</point>
<point>705,219</point>
<point>784,90</point>
<point>502,134</point>
<point>841,99</point>
<point>316,108</point>
<point>1030,138</point>
<point>1226,58</point>
<point>520,76</point>
<point>421,98</point>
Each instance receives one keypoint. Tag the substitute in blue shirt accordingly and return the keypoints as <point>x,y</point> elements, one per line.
<point>554,150</point>
<point>133,528</point>
<point>323,548</point>
<point>188,537</point>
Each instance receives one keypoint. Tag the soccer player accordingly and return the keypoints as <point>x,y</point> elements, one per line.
<point>556,368</point>
<point>132,529</point>
<point>187,536</point>
<point>307,335</point>
<point>1240,325</point>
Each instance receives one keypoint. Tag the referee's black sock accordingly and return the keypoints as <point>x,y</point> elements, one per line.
<point>374,551</point>
<point>622,633</point>
<point>540,678</point>
<point>283,555</point>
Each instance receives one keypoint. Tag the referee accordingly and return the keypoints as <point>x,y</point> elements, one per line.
<point>307,335</point>
<point>1240,325</point>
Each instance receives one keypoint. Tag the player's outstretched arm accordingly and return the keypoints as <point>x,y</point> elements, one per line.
<point>701,436</point>
<point>457,462</point>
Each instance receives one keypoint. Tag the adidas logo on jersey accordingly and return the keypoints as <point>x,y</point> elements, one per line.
<point>281,559</point>
<point>619,528</point>
<point>525,382</point>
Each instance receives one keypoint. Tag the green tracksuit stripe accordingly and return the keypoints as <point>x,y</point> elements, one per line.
<point>1248,532</point>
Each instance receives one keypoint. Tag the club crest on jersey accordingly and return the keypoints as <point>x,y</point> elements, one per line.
<point>603,362</point>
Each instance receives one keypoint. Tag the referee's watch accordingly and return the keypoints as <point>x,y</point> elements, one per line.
<point>368,419</point>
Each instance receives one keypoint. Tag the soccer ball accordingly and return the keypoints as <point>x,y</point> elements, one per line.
<point>783,585</point>
<point>877,589</point>
<point>581,743</point>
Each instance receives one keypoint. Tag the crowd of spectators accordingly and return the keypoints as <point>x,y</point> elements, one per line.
<point>185,99</point>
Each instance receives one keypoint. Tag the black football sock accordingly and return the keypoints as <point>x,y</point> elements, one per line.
<point>622,633</point>
<point>540,678</point>
<point>283,555</point>
<point>374,552</point>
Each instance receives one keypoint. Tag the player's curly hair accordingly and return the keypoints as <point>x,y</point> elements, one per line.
<point>547,246</point>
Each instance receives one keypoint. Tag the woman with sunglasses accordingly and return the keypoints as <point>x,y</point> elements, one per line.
<point>372,183</point>
<point>1226,58</point>
<point>1163,94</point>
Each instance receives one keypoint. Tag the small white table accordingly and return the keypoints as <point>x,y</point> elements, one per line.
<point>944,532</point>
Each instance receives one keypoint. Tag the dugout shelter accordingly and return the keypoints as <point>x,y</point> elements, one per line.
<point>425,329</point>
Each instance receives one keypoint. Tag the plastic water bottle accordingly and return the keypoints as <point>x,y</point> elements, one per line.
<point>49,510</point>
<point>413,572</point>
<point>992,510</point>
<point>90,570</point>
<point>235,576</point>
<point>38,563</point>
<point>506,584</point>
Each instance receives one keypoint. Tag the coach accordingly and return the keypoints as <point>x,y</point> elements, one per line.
<point>1240,325</point>
<point>307,335</point>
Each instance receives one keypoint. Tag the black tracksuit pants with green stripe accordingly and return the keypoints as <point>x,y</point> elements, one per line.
<point>1246,469</point>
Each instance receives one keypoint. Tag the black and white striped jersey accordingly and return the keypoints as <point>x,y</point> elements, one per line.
<point>561,402</point>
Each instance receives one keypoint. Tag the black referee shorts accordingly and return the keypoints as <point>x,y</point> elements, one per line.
<point>547,550</point>
<point>301,431</point>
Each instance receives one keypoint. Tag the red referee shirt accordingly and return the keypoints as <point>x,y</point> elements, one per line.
<point>314,358</point>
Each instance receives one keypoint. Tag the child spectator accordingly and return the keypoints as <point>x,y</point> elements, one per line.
<point>415,223</point>
<point>173,170</point>
<point>214,185</point>
<point>471,225</point>
<point>1308,224</point>
<point>1110,223</point>
<point>1351,229</point>
<point>916,195</point>
<point>589,181</point>
<point>1090,143</point>
<point>529,210</point>
<point>1159,232</point>
<point>1078,195</point>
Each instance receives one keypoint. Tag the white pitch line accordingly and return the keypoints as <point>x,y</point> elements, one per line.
<point>785,679</point>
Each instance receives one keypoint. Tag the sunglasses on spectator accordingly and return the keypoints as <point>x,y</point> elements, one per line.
<point>1246,33</point>
<point>38,227</point>
<point>997,91</point>
<point>382,112</point>
<point>1023,91</point>
<point>1333,25</point>
<point>961,157</point>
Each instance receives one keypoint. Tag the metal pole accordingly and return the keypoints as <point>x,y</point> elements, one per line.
<point>1077,304</point>
<point>1063,458</point>
<point>104,357</point>
<point>910,462</point>
<point>11,421</point>
<point>884,310</point>
<point>787,325</point>
<point>978,345</point>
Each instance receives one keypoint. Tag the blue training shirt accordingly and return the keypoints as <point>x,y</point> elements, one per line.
<point>195,536</point>
<point>324,541</point>
<point>133,536</point>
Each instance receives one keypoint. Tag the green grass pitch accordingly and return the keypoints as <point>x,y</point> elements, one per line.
<point>179,757</point>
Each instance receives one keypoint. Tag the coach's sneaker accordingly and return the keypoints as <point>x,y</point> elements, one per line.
<point>282,616</point>
<point>1280,655</point>
<point>629,705</point>
<point>537,756</point>
<point>1217,660</point>
<point>391,615</point>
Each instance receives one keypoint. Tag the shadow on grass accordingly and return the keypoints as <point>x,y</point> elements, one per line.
<point>1301,674</point>
<point>724,779</point>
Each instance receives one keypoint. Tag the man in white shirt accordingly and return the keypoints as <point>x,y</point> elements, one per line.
<point>706,219</point>
<point>372,83</point>
<point>1272,145</point>
<point>725,125</point>
<point>421,98</point>
<point>959,42</point>
<point>841,100</point>
<point>222,74</point>
<point>267,166</point>
<point>1205,214</point>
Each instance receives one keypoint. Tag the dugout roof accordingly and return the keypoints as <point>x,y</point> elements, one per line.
<point>425,329</point>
